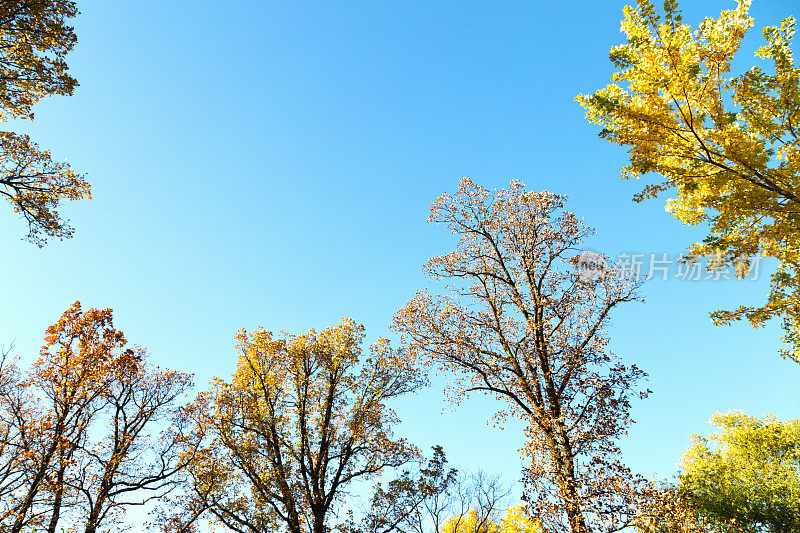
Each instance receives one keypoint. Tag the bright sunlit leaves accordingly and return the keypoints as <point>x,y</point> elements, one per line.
<point>726,145</point>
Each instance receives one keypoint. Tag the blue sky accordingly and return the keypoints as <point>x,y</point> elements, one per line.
<point>272,163</point>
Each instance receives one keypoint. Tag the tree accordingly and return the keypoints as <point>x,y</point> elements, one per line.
<point>478,506</point>
<point>304,418</point>
<point>412,502</point>
<point>15,412</point>
<point>78,440</point>
<point>515,520</point>
<point>726,146</point>
<point>35,38</point>
<point>745,477</point>
<point>523,324</point>
<point>132,464</point>
<point>436,499</point>
<point>69,377</point>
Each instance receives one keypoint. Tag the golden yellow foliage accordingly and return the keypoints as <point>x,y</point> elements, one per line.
<point>727,146</point>
<point>303,418</point>
<point>515,520</point>
<point>35,37</point>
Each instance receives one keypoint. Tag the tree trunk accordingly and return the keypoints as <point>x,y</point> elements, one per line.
<point>33,489</point>
<point>93,521</point>
<point>319,522</point>
<point>569,486</point>
<point>59,495</point>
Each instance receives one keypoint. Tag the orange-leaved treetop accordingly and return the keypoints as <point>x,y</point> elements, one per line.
<point>90,430</point>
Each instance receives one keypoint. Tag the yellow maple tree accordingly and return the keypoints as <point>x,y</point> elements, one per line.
<point>726,146</point>
<point>515,520</point>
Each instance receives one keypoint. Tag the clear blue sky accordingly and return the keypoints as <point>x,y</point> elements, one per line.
<point>272,163</point>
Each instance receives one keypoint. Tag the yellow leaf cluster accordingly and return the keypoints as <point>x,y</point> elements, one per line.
<point>726,146</point>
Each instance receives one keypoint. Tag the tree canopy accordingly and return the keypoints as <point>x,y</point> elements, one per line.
<point>35,37</point>
<point>88,431</point>
<point>726,145</point>
<point>303,418</point>
<point>746,476</point>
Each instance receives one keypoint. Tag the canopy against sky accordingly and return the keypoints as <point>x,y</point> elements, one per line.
<point>273,164</point>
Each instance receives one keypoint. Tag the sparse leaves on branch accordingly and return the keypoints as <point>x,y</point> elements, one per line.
<point>35,185</point>
<point>521,324</point>
<point>438,499</point>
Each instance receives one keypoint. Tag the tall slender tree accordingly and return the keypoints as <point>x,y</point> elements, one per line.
<point>521,322</point>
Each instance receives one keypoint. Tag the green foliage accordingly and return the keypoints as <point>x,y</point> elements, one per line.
<point>745,477</point>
